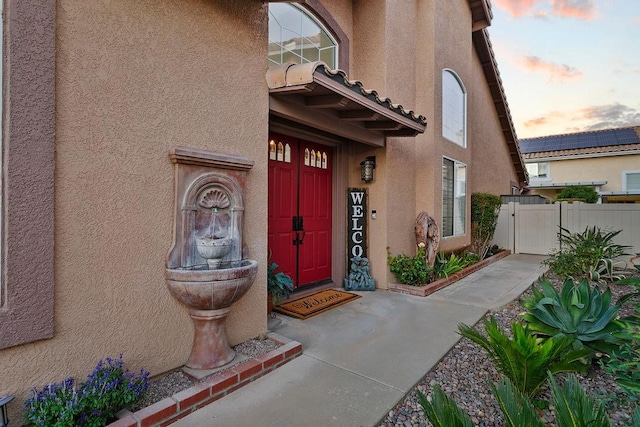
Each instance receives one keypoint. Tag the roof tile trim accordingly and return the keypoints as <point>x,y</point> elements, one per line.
<point>292,74</point>
<point>576,151</point>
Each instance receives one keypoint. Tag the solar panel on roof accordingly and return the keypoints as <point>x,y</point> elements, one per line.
<point>594,139</point>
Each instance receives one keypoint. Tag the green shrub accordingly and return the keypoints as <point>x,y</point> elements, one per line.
<point>579,193</point>
<point>485,208</point>
<point>624,366</point>
<point>109,388</point>
<point>526,359</point>
<point>578,312</point>
<point>414,271</point>
<point>581,253</point>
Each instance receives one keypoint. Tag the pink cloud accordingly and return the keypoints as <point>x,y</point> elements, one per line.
<point>516,8</point>
<point>538,121</point>
<point>579,9</point>
<point>589,118</point>
<point>556,72</point>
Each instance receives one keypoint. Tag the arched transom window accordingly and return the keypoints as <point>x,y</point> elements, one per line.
<point>454,109</point>
<point>295,36</point>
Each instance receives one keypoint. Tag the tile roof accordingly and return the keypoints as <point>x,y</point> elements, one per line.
<point>290,76</point>
<point>592,142</point>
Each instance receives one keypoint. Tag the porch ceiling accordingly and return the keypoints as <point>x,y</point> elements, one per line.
<point>314,95</point>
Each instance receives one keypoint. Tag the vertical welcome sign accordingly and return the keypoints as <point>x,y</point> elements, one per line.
<point>356,223</point>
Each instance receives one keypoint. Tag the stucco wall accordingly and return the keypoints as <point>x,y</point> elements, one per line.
<point>492,170</point>
<point>594,169</point>
<point>454,51</point>
<point>135,79</point>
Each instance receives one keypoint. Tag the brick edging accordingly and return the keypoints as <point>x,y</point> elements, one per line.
<point>423,291</point>
<point>183,403</point>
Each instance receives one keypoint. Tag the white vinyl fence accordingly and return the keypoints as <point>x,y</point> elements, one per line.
<point>533,229</point>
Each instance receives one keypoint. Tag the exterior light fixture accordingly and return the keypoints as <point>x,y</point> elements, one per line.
<point>366,168</point>
<point>4,418</point>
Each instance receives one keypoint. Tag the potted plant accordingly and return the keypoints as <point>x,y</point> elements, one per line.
<point>279,286</point>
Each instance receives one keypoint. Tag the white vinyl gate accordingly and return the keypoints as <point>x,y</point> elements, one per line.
<point>533,229</point>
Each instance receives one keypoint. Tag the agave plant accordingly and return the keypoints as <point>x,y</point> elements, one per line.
<point>526,359</point>
<point>442,411</point>
<point>584,314</point>
<point>608,269</point>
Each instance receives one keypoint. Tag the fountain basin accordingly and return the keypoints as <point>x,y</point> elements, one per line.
<point>209,294</point>
<point>211,289</point>
<point>214,249</point>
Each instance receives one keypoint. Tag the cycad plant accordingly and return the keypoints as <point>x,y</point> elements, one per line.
<point>574,408</point>
<point>585,314</point>
<point>517,410</point>
<point>442,411</point>
<point>525,359</point>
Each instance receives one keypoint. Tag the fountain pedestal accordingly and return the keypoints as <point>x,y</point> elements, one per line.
<point>210,346</point>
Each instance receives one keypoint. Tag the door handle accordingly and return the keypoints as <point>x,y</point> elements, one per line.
<point>297,223</point>
<point>298,240</point>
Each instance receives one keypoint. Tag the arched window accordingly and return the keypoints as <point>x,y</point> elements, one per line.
<point>454,108</point>
<point>295,36</point>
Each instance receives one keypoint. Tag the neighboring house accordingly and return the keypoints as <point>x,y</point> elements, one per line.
<point>97,93</point>
<point>607,160</point>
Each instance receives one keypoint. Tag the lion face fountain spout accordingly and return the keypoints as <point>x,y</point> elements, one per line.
<point>205,269</point>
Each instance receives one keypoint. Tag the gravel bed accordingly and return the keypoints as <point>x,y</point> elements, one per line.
<point>464,373</point>
<point>172,382</point>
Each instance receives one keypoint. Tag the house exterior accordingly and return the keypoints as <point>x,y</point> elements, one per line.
<point>101,92</point>
<point>607,160</point>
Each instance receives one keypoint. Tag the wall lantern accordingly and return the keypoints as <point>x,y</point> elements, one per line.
<point>366,168</point>
<point>4,418</point>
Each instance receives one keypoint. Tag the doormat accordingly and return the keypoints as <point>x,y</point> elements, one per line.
<point>314,304</point>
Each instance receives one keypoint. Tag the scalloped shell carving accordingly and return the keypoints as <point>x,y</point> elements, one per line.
<point>214,199</point>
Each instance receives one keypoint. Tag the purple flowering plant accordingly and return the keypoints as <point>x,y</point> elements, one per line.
<point>93,403</point>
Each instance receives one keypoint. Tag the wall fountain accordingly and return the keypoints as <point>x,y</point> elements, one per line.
<point>206,269</point>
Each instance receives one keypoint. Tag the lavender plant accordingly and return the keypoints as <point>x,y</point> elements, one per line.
<point>109,388</point>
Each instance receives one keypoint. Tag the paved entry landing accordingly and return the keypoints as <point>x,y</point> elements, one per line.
<point>361,358</point>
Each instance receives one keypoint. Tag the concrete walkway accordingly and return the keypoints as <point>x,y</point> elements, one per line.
<point>360,359</point>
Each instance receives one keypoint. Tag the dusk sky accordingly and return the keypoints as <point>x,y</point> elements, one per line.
<point>568,65</point>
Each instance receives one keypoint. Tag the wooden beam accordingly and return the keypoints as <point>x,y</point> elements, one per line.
<point>363,115</point>
<point>383,125</point>
<point>327,101</point>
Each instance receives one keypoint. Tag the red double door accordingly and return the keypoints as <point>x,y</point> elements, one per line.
<point>300,209</point>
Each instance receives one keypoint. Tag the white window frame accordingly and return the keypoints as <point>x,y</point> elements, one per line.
<point>449,110</point>
<point>459,219</point>
<point>534,176</point>
<point>625,177</point>
<point>320,25</point>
